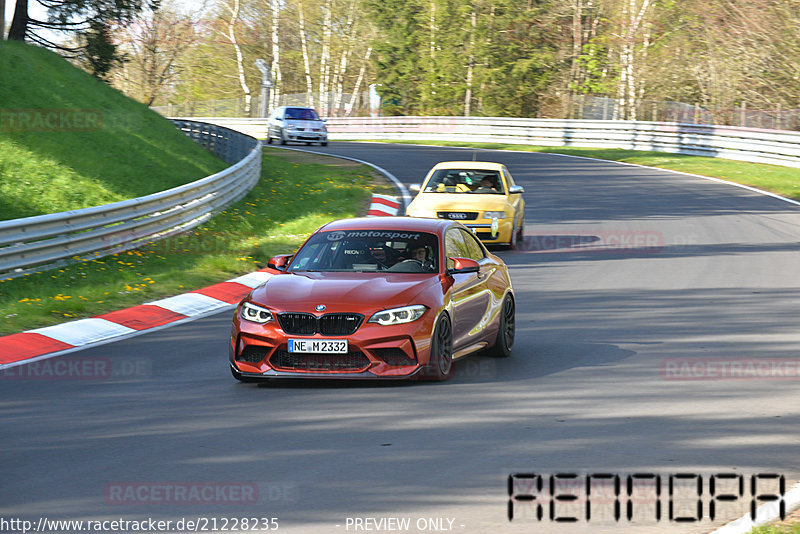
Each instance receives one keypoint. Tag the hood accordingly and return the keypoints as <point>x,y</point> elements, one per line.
<point>458,202</point>
<point>341,292</point>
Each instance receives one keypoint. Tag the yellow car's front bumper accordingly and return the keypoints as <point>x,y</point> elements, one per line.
<point>484,230</point>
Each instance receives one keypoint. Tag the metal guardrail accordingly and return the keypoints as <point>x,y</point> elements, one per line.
<point>47,241</point>
<point>776,147</point>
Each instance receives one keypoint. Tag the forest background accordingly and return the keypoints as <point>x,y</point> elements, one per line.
<point>715,61</point>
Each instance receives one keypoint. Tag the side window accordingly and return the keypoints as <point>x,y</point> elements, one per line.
<point>454,246</point>
<point>474,249</point>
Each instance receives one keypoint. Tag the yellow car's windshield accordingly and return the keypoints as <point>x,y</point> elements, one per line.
<point>471,181</point>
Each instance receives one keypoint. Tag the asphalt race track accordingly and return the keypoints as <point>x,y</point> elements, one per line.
<point>657,332</point>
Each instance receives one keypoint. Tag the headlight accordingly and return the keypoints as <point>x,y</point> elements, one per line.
<point>255,314</point>
<point>494,215</point>
<point>290,126</point>
<point>398,315</point>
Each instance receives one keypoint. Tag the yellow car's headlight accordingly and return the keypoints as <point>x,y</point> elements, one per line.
<point>494,215</point>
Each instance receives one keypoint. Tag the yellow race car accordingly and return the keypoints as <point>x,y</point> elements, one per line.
<point>480,194</point>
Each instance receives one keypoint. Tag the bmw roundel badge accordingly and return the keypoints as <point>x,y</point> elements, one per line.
<point>320,307</point>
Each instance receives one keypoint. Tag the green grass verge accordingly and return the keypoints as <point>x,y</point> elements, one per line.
<point>784,181</point>
<point>292,199</point>
<point>97,147</point>
<point>777,529</point>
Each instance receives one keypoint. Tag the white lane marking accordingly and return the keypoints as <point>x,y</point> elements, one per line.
<point>406,196</point>
<point>718,180</point>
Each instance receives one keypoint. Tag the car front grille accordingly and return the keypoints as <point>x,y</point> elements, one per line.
<point>484,235</point>
<point>330,324</point>
<point>458,215</point>
<point>352,361</point>
<point>394,356</point>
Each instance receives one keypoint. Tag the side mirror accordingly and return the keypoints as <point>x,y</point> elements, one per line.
<point>464,265</point>
<point>279,119</point>
<point>415,188</point>
<point>280,261</point>
<point>516,190</point>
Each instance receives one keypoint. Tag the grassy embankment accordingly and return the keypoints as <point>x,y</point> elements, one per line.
<point>135,153</point>
<point>292,199</point>
<point>784,181</point>
<point>106,148</point>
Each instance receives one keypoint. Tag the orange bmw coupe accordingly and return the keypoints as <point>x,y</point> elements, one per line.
<point>385,297</point>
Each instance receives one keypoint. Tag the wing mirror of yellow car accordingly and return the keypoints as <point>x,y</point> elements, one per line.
<point>280,261</point>
<point>516,190</point>
<point>415,188</point>
<point>464,265</point>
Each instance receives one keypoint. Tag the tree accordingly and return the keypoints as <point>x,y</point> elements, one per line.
<point>90,23</point>
<point>154,47</point>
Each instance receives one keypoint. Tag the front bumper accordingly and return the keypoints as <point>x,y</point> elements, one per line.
<point>374,351</point>
<point>483,230</point>
<point>301,135</point>
<point>329,376</point>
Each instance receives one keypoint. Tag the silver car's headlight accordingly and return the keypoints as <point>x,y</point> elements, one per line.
<point>255,314</point>
<point>406,314</point>
<point>494,215</point>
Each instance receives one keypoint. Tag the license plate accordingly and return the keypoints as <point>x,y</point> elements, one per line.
<point>320,346</point>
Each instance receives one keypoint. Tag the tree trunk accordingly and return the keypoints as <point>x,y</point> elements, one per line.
<point>239,59</point>
<point>341,70</point>
<point>276,54</point>
<point>306,61</point>
<point>432,51</point>
<point>633,17</point>
<point>324,67</point>
<point>349,109</point>
<point>19,24</point>
<point>470,63</point>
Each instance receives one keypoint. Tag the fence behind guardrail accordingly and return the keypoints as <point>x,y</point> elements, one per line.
<point>47,241</point>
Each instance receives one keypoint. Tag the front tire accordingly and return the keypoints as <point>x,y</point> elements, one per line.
<point>283,138</point>
<point>517,236</point>
<point>505,333</point>
<point>440,366</point>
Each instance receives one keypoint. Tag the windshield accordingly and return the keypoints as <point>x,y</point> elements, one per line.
<point>481,182</point>
<point>302,114</point>
<point>369,250</point>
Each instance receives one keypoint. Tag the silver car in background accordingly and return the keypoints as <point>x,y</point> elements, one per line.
<point>293,123</point>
